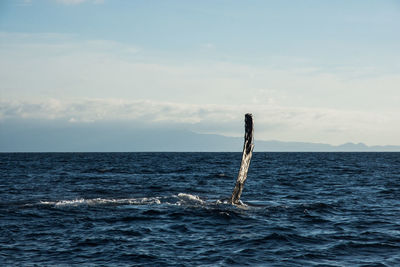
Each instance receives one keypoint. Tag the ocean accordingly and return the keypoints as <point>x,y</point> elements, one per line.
<point>164,209</point>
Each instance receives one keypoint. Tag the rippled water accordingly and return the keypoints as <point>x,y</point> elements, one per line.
<point>160,209</point>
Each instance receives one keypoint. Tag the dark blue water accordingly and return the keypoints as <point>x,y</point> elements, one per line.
<point>160,209</point>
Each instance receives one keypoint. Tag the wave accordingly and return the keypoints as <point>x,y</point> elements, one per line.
<point>180,199</point>
<point>103,201</point>
<point>311,211</point>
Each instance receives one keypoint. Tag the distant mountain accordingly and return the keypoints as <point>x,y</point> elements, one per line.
<point>318,147</point>
<point>28,136</point>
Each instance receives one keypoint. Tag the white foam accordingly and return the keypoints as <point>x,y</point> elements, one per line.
<point>183,197</point>
<point>100,201</point>
<point>223,201</point>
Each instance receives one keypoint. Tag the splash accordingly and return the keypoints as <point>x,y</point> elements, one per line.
<point>185,198</point>
<point>103,201</point>
<point>181,199</point>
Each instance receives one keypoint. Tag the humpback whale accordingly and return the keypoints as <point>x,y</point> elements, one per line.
<point>248,147</point>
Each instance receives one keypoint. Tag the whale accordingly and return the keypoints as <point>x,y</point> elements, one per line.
<point>248,147</point>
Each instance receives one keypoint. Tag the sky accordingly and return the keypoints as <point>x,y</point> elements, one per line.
<point>309,71</point>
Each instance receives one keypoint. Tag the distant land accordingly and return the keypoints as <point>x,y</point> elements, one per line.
<point>318,147</point>
<point>39,137</point>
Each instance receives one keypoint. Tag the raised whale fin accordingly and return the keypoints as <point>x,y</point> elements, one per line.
<point>246,157</point>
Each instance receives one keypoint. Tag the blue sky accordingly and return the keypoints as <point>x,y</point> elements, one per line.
<point>312,71</point>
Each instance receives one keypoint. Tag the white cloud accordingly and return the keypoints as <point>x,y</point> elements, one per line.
<point>279,123</point>
<point>91,80</point>
<point>59,66</point>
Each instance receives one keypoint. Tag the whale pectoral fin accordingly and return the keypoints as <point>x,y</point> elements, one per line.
<point>246,157</point>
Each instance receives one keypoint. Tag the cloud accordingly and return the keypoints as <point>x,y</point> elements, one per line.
<point>90,110</point>
<point>85,81</point>
<point>279,123</point>
<point>60,66</point>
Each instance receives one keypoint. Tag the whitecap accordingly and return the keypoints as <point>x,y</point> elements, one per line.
<point>103,201</point>
<point>185,198</point>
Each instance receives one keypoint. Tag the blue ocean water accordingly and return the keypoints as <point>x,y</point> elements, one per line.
<point>162,209</point>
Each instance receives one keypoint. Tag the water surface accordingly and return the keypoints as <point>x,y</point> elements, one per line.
<point>162,209</point>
